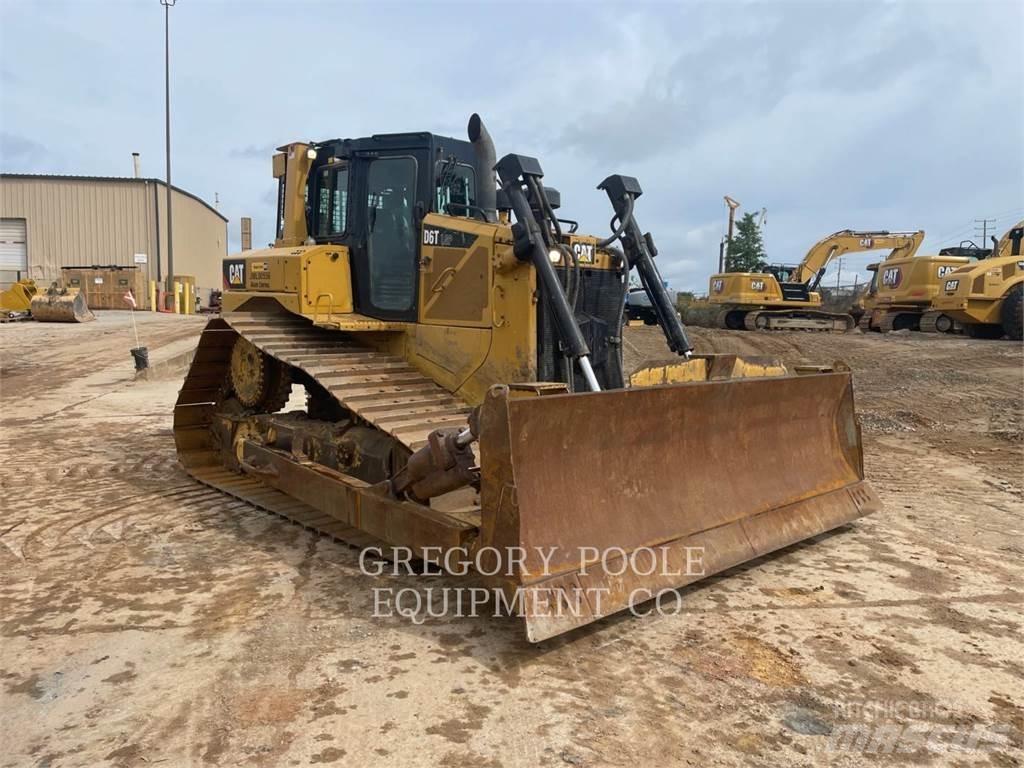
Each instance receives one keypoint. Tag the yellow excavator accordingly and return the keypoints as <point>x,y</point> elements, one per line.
<point>459,345</point>
<point>785,297</point>
<point>987,297</point>
<point>901,291</point>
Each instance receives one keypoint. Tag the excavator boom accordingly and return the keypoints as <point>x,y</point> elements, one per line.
<point>821,254</point>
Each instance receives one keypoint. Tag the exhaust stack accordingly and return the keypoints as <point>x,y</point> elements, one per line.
<point>136,165</point>
<point>483,145</point>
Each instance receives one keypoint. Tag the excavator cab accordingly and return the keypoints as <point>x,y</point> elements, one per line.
<point>793,290</point>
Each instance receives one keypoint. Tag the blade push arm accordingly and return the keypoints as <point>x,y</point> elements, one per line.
<point>515,172</point>
<point>639,251</point>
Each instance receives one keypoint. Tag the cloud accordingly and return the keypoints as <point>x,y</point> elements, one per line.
<point>832,115</point>
<point>253,152</point>
<point>19,153</point>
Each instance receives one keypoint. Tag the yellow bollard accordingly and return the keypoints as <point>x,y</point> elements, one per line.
<point>177,297</point>
<point>152,296</point>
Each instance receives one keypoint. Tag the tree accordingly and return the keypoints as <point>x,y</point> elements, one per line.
<point>746,249</point>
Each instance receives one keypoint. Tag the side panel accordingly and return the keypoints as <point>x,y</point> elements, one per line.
<point>750,288</point>
<point>455,271</point>
<point>326,281</point>
<point>304,280</point>
<point>914,280</point>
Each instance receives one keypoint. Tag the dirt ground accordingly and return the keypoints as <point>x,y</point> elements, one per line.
<point>148,620</point>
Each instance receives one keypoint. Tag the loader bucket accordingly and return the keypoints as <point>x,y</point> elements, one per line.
<point>610,498</point>
<point>61,308</point>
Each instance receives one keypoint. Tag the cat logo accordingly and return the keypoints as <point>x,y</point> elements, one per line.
<point>866,242</point>
<point>234,273</point>
<point>584,252</point>
<point>945,269</point>
<point>717,285</point>
<point>757,285</point>
<point>892,277</point>
<point>952,285</point>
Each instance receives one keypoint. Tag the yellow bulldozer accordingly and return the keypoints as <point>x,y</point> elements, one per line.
<point>785,297</point>
<point>987,297</point>
<point>459,345</point>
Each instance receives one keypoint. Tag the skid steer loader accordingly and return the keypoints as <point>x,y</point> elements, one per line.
<point>460,350</point>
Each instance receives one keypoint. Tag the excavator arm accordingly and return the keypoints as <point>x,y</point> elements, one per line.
<point>903,244</point>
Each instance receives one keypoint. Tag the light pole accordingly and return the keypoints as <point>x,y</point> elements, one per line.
<point>167,4</point>
<point>722,252</point>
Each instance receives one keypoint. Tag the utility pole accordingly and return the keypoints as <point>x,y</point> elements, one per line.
<point>983,225</point>
<point>733,205</point>
<point>839,274</point>
<point>168,4</point>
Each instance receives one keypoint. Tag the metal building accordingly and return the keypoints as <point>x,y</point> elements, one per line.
<point>48,222</point>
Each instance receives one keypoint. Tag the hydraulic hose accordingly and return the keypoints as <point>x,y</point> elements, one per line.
<point>624,221</point>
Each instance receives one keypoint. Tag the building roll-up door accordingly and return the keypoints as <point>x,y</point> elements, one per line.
<point>13,249</point>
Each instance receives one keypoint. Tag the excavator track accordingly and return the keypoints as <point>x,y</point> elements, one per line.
<point>379,389</point>
<point>806,320</point>
<point>897,320</point>
<point>934,321</point>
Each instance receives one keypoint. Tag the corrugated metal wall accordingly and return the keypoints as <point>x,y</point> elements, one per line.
<point>80,222</point>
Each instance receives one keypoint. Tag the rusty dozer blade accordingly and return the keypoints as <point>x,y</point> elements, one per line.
<point>52,307</point>
<point>609,498</point>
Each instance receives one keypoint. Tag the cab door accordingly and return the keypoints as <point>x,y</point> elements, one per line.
<point>386,258</point>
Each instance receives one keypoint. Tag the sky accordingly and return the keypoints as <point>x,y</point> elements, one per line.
<point>829,115</point>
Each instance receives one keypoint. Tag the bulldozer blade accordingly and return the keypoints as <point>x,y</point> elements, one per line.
<point>601,501</point>
<point>61,308</point>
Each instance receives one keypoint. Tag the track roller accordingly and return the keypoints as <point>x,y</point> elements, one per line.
<point>259,381</point>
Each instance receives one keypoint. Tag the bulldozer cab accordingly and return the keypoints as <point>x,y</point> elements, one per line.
<point>372,194</point>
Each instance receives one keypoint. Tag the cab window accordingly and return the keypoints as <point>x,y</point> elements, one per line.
<point>332,201</point>
<point>456,188</point>
<point>392,240</point>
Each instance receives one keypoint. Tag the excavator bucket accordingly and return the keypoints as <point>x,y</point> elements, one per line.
<point>600,501</point>
<point>18,297</point>
<point>52,307</point>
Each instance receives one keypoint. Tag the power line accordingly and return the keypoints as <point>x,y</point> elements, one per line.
<point>1009,213</point>
<point>983,225</point>
<point>955,233</point>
